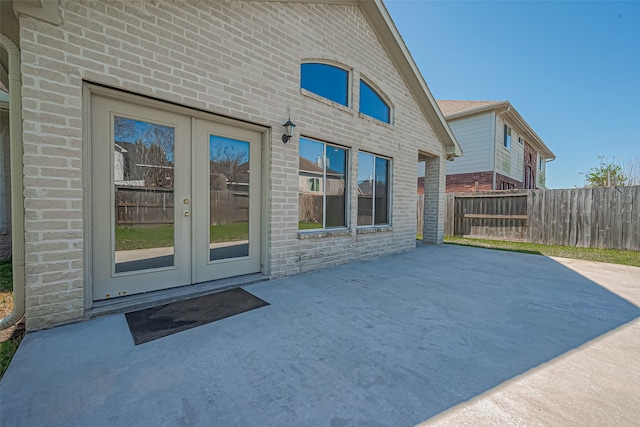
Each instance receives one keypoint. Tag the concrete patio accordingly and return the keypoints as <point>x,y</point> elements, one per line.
<point>444,335</point>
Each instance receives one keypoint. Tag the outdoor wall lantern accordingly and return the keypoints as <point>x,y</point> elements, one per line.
<point>288,132</point>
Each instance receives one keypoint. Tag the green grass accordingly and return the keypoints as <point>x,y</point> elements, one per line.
<point>161,236</point>
<point>6,276</point>
<point>230,232</point>
<point>157,236</point>
<point>590,254</point>
<point>7,350</point>
<point>308,225</point>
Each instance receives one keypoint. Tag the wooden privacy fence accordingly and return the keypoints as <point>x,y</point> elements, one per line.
<point>143,206</point>
<point>137,206</point>
<point>501,216</point>
<point>583,217</point>
<point>420,216</point>
<point>587,217</point>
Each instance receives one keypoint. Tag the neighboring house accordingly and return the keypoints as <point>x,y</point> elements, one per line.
<point>312,181</point>
<point>204,85</point>
<point>501,150</point>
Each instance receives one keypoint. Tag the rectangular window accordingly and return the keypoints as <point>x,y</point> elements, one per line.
<point>313,185</point>
<point>541,163</point>
<point>520,141</point>
<point>373,190</point>
<point>322,189</point>
<point>507,137</point>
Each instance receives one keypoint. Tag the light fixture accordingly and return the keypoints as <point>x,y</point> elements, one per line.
<point>289,131</point>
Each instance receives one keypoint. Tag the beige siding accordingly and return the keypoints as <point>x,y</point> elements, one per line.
<point>474,135</point>
<point>238,59</point>
<point>541,173</point>
<point>509,162</point>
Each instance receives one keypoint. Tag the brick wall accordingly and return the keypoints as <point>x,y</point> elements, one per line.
<point>513,182</point>
<point>238,59</point>
<point>530,160</point>
<point>434,200</point>
<point>466,182</point>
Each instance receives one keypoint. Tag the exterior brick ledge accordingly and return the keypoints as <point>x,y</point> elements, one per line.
<point>375,229</point>
<point>302,235</point>
<point>327,101</point>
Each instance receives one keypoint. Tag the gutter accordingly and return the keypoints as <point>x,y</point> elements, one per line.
<point>17,185</point>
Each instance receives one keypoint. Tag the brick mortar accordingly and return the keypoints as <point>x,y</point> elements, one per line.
<point>216,57</point>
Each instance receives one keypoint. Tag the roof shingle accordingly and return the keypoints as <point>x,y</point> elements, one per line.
<point>449,107</point>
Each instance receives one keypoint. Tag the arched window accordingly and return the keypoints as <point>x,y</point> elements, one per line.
<point>326,80</point>
<point>372,104</point>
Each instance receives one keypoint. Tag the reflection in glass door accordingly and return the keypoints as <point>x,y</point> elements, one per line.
<point>227,190</point>
<point>228,198</point>
<point>175,200</point>
<point>143,183</point>
<point>140,198</point>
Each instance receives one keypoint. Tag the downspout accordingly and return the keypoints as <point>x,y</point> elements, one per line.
<point>17,186</point>
<point>545,170</point>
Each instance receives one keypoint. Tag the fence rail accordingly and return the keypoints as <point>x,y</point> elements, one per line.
<point>606,218</point>
<point>136,206</point>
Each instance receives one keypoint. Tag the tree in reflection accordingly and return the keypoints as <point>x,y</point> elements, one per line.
<point>147,152</point>
<point>228,166</point>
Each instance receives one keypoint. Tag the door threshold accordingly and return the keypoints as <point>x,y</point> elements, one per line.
<point>165,296</point>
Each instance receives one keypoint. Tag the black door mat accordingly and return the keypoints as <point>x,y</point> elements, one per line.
<point>157,322</point>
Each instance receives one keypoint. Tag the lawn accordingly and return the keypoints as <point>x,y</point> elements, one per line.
<point>308,225</point>
<point>161,236</point>
<point>590,254</point>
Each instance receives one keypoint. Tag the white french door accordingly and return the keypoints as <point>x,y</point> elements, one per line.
<point>175,199</point>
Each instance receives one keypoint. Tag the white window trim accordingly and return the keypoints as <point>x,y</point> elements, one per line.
<point>506,136</point>
<point>324,230</point>
<point>389,195</point>
<point>382,96</point>
<point>335,64</point>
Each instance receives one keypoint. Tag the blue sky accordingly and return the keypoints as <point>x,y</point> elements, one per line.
<point>570,68</point>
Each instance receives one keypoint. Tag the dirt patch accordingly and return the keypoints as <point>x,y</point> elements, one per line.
<point>6,306</point>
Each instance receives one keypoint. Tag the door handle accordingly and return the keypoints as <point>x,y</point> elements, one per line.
<point>186,213</point>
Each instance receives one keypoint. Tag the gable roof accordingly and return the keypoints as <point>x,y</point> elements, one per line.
<point>449,108</point>
<point>376,13</point>
<point>457,109</point>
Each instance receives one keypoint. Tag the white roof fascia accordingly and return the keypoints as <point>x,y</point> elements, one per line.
<point>476,110</point>
<point>534,138</point>
<point>390,37</point>
<point>513,114</point>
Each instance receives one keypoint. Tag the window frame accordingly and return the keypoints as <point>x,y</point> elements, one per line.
<point>506,141</point>
<point>389,192</point>
<point>336,65</point>
<point>347,192</point>
<point>540,163</point>
<point>381,96</point>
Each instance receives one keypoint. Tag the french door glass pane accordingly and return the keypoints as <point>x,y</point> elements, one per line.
<point>311,185</point>
<point>336,178</point>
<point>229,198</point>
<point>365,188</point>
<point>144,195</point>
<point>382,192</point>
